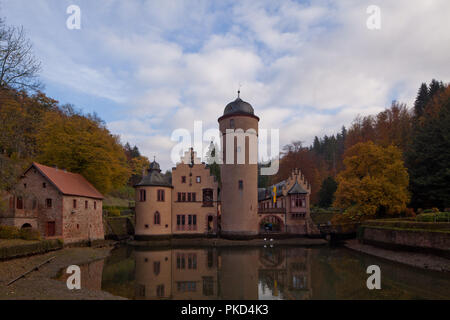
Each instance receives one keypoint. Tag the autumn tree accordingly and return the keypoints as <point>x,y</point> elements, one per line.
<point>83,145</point>
<point>374,182</point>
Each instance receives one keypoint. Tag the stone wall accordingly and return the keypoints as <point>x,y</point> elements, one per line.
<point>419,240</point>
<point>81,223</point>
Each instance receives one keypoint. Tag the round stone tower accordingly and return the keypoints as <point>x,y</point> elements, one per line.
<point>239,171</point>
<point>153,204</point>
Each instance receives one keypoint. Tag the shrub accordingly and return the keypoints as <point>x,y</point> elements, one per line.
<point>30,234</point>
<point>114,213</point>
<point>409,212</point>
<point>9,232</point>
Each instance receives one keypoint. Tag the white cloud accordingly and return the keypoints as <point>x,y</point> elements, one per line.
<point>307,68</point>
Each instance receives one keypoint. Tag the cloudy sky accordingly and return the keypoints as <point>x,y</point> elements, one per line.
<point>307,67</point>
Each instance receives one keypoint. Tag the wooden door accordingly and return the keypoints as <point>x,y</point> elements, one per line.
<point>51,228</point>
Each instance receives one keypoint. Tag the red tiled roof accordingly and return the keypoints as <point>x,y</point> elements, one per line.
<point>69,183</point>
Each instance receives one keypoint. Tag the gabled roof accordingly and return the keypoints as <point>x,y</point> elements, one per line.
<point>68,183</point>
<point>297,189</point>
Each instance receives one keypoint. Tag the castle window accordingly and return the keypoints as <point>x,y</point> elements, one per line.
<point>95,205</point>
<point>192,261</point>
<point>183,179</point>
<point>157,219</point>
<point>189,197</point>
<point>193,196</point>
<point>183,197</point>
<point>161,195</point>
<point>24,185</point>
<point>298,201</point>
<point>156,267</point>
<point>199,179</point>
<point>74,203</point>
<point>44,185</point>
<point>142,195</point>
<point>86,204</point>
<point>232,123</point>
<point>179,196</point>
<point>19,203</point>
<point>160,290</point>
<point>49,203</point>
<point>207,197</point>
<point>241,184</point>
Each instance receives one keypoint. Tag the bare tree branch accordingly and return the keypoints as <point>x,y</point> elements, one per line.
<point>18,66</point>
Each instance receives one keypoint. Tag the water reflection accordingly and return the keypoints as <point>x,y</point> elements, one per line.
<point>257,273</point>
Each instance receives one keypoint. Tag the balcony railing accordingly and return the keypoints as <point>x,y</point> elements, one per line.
<point>271,210</point>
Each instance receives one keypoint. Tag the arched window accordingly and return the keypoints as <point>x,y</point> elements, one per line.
<point>157,218</point>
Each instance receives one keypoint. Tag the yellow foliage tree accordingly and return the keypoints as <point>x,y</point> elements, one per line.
<point>374,182</point>
<point>83,145</point>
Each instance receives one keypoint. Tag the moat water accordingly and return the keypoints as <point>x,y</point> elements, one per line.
<point>257,273</point>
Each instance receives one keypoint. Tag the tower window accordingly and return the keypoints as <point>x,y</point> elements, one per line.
<point>183,179</point>
<point>241,185</point>
<point>49,203</point>
<point>74,203</point>
<point>157,218</point>
<point>44,185</point>
<point>142,195</point>
<point>161,195</point>
<point>232,123</point>
<point>199,179</point>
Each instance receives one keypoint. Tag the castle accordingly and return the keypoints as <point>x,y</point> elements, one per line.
<point>192,203</point>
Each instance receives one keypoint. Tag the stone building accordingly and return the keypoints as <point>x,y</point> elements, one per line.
<point>284,207</point>
<point>58,203</point>
<point>184,205</point>
<point>188,204</point>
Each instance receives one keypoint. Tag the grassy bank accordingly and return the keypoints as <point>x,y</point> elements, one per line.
<point>15,248</point>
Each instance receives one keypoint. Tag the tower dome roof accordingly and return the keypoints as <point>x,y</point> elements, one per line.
<point>154,177</point>
<point>154,166</point>
<point>238,106</point>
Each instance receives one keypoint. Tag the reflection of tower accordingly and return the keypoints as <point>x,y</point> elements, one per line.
<point>239,171</point>
<point>153,274</point>
<point>238,274</point>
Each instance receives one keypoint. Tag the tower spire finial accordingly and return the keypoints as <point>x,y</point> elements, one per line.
<point>239,90</point>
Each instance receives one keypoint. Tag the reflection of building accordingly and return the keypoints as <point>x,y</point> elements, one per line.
<point>238,274</point>
<point>58,203</point>
<point>233,274</point>
<point>176,274</point>
<point>286,272</point>
<point>286,209</point>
